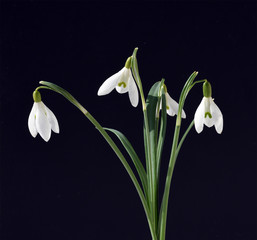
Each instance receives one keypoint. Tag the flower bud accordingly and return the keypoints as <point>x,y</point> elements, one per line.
<point>207,89</point>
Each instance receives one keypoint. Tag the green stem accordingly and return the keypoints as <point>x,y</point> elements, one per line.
<point>175,151</point>
<point>173,157</point>
<point>184,137</point>
<point>165,200</point>
<point>149,147</point>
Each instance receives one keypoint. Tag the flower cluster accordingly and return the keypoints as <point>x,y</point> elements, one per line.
<point>42,120</point>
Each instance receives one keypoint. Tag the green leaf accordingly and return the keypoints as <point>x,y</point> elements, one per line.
<point>183,95</point>
<point>162,133</point>
<point>152,112</point>
<point>152,106</point>
<point>134,66</point>
<point>134,157</point>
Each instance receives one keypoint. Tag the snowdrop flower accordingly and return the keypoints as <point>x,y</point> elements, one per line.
<point>41,119</point>
<point>171,105</point>
<point>123,82</point>
<point>208,112</point>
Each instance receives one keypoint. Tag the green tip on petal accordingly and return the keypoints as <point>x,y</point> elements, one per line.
<point>36,96</point>
<point>128,63</point>
<point>207,89</point>
<point>208,114</point>
<point>122,84</point>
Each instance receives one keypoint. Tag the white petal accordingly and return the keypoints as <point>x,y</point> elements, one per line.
<point>219,125</point>
<point>32,120</point>
<point>183,114</point>
<point>209,122</point>
<point>109,84</point>
<point>170,111</point>
<point>52,120</point>
<point>217,116</point>
<point>42,124</point>
<point>199,116</point>
<point>133,92</point>
<point>124,81</point>
<point>173,106</point>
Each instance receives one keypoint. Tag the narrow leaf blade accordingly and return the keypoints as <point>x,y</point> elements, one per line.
<point>134,157</point>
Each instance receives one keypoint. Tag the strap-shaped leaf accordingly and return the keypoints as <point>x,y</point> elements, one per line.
<point>134,157</point>
<point>152,106</point>
<point>162,132</point>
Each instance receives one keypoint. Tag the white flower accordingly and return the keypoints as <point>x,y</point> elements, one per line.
<point>123,82</point>
<point>42,120</point>
<point>209,114</point>
<point>172,106</point>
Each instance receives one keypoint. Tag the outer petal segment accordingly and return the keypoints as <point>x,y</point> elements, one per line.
<point>52,120</point>
<point>32,121</point>
<point>42,124</point>
<point>217,116</point>
<point>133,92</point>
<point>173,106</point>
<point>199,117</point>
<point>109,84</point>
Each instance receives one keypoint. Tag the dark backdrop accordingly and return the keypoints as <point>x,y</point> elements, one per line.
<point>74,187</point>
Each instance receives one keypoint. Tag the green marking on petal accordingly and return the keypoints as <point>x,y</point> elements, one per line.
<point>167,107</point>
<point>122,83</point>
<point>208,114</point>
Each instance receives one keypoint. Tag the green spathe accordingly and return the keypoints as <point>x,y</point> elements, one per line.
<point>207,89</point>
<point>36,96</point>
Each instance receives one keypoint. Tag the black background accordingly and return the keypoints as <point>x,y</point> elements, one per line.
<point>74,187</point>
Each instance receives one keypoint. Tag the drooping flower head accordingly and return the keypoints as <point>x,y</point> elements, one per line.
<point>123,82</point>
<point>171,105</point>
<point>41,119</point>
<point>208,112</point>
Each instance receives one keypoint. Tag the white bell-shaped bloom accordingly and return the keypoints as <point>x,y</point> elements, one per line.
<point>42,120</point>
<point>209,114</point>
<point>123,82</point>
<point>172,106</point>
